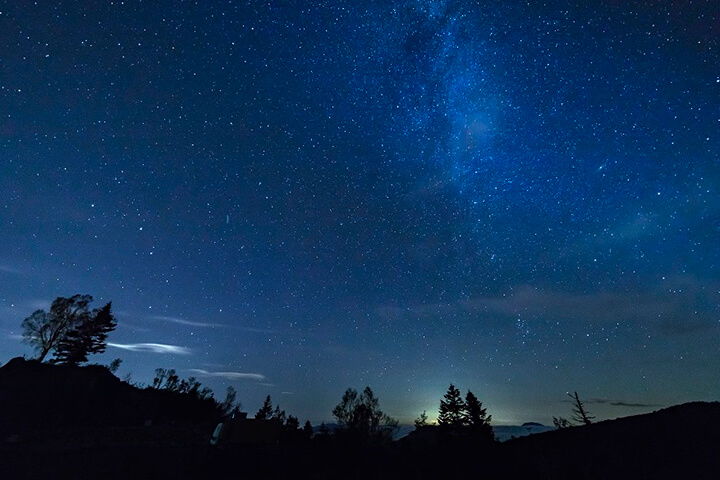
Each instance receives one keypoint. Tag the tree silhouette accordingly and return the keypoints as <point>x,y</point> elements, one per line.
<point>192,387</point>
<point>166,379</point>
<point>43,330</point>
<point>452,407</point>
<point>292,423</point>
<point>88,336</point>
<point>561,422</point>
<point>476,418</point>
<point>266,411</point>
<point>114,365</point>
<point>579,414</point>
<point>279,414</point>
<point>421,421</point>
<point>307,430</point>
<point>360,416</point>
<point>227,406</point>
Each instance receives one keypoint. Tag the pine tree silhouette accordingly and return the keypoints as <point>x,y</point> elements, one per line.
<point>477,419</point>
<point>451,409</point>
<point>266,411</point>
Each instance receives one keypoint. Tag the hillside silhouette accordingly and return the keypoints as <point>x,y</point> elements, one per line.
<point>682,441</point>
<point>38,396</point>
<point>60,421</point>
<point>82,422</point>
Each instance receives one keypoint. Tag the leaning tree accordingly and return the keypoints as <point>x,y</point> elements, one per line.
<point>70,329</point>
<point>87,338</point>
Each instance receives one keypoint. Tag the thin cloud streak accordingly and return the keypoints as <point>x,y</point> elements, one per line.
<point>653,306</point>
<point>228,375</point>
<point>620,403</point>
<point>616,403</point>
<point>191,323</point>
<point>180,321</point>
<point>152,348</point>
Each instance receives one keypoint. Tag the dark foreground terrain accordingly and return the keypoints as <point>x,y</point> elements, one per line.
<point>82,422</point>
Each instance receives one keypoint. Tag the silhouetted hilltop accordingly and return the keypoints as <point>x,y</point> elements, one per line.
<point>532,424</point>
<point>83,422</point>
<point>677,442</point>
<point>38,396</point>
<point>507,432</point>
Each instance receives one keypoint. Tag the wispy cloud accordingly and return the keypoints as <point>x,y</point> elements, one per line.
<point>6,269</point>
<point>191,323</point>
<point>621,403</point>
<point>684,305</point>
<point>641,405</point>
<point>616,403</point>
<point>181,321</point>
<point>152,348</point>
<point>228,375</point>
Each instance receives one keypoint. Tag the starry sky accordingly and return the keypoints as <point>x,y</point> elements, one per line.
<point>294,198</point>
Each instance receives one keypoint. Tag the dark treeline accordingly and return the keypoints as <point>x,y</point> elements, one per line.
<point>85,419</point>
<point>59,419</point>
<point>83,422</point>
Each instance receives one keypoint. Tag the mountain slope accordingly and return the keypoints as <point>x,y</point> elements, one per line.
<point>677,442</point>
<point>38,397</point>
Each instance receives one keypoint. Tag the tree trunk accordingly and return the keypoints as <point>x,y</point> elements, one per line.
<point>43,353</point>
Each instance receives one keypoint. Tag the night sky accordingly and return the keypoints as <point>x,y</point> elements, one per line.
<point>294,198</point>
